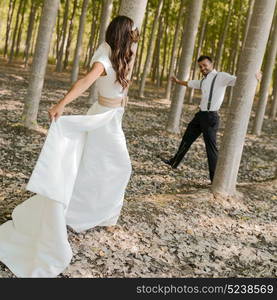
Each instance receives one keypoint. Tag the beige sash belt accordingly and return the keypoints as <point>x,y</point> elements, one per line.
<point>113,102</point>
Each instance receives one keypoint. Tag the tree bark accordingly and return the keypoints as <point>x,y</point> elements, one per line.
<point>77,53</point>
<point>70,34</point>
<point>166,42</point>
<point>224,182</point>
<point>236,45</point>
<point>266,80</point>
<point>247,23</point>
<point>174,49</point>
<point>134,10</point>
<point>8,27</point>
<point>150,50</point>
<point>59,65</point>
<point>156,60</point>
<point>223,35</point>
<point>32,98</point>
<point>35,32</point>
<point>15,31</point>
<point>142,43</point>
<point>246,27</point>
<point>105,20</point>
<point>32,17</point>
<point>89,51</point>
<point>273,109</point>
<point>198,51</point>
<point>18,40</point>
<point>188,42</point>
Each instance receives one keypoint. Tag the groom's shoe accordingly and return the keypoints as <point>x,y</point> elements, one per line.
<point>168,162</point>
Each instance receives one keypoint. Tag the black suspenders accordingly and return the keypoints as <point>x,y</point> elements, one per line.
<point>211,91</point>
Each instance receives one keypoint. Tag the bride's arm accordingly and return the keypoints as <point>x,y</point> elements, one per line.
<point>76,90</point>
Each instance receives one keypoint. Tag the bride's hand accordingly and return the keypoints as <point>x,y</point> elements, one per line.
<point>56,111</point>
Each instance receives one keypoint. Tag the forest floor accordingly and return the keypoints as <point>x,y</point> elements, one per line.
<point>170,225</point>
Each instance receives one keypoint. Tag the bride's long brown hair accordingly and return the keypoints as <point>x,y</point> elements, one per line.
<point>120,36</point>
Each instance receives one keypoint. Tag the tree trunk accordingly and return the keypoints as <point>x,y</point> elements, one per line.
<point>150,50</point>
<point>15,31</point>
<point>199,48</point>
<point>105,20</point>
<point>93,35</point>
<point>59,66</point>
<point>18,40</point>
<point>224,182</point>
<point>134,10</point>
<point>156,66</point>
<point>31,23</point>
<point>273,109</point>
<point>223,36</point>
<point>188,42</point>
<point>35,32</point>
<point>142,43</point>
<point>174,49</point>
<point>166,42</point>
<point>77,54</point>
<point>266,80</point>
<point>236,45</point>
<point>247,23</point>
<point>246,27</point>
<point>8,27</point>
<point>70,34</point>
<point>32,98</point>
<point>94,14</point>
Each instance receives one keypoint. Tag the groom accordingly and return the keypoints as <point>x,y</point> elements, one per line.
<point>206,120</point>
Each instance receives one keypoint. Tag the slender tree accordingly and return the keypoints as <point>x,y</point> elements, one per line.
<point>224,32</point>
<point>77,53</point>
<point>34,36</point>
<point>8,26</point>
<point>266,80</point>
<point>89,53</point>
<point>150,50</point>
<point>188,42</point>
<point>174,49</point>
<point>166,41</point>
<point>32,98</point>
<point>225,179</point>
<point>59,66</point>
<point>18,39</point>
<point>273,109</point>
<point>246,26</point>
<point>15,31</point>
<point>106,12</point>
<point>157,51</point>
<point>70,34</point>
<point>247,23</point>
<point>142,43</point>
<point>134,10</point>
<point>203,29</point>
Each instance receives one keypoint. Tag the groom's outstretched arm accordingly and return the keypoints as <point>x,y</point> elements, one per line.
<point>195,84</point>
<point>181,82</point>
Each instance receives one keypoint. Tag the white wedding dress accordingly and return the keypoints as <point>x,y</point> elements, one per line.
<point>79,180</point>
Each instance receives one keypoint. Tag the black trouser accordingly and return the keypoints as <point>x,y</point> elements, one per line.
<point>206,123</point>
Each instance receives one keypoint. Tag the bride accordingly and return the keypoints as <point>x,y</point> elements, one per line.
<point>83,169</point>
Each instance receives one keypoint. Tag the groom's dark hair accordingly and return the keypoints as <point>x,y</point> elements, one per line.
<point>202,57</point>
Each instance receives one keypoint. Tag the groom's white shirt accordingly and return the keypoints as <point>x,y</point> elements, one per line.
<point>222,80</point>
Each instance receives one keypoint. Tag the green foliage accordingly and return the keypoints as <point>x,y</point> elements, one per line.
<point>214,10</point>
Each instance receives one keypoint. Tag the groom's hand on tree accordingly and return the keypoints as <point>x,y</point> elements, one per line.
<point>174,79</point>
<point>259,75</point>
